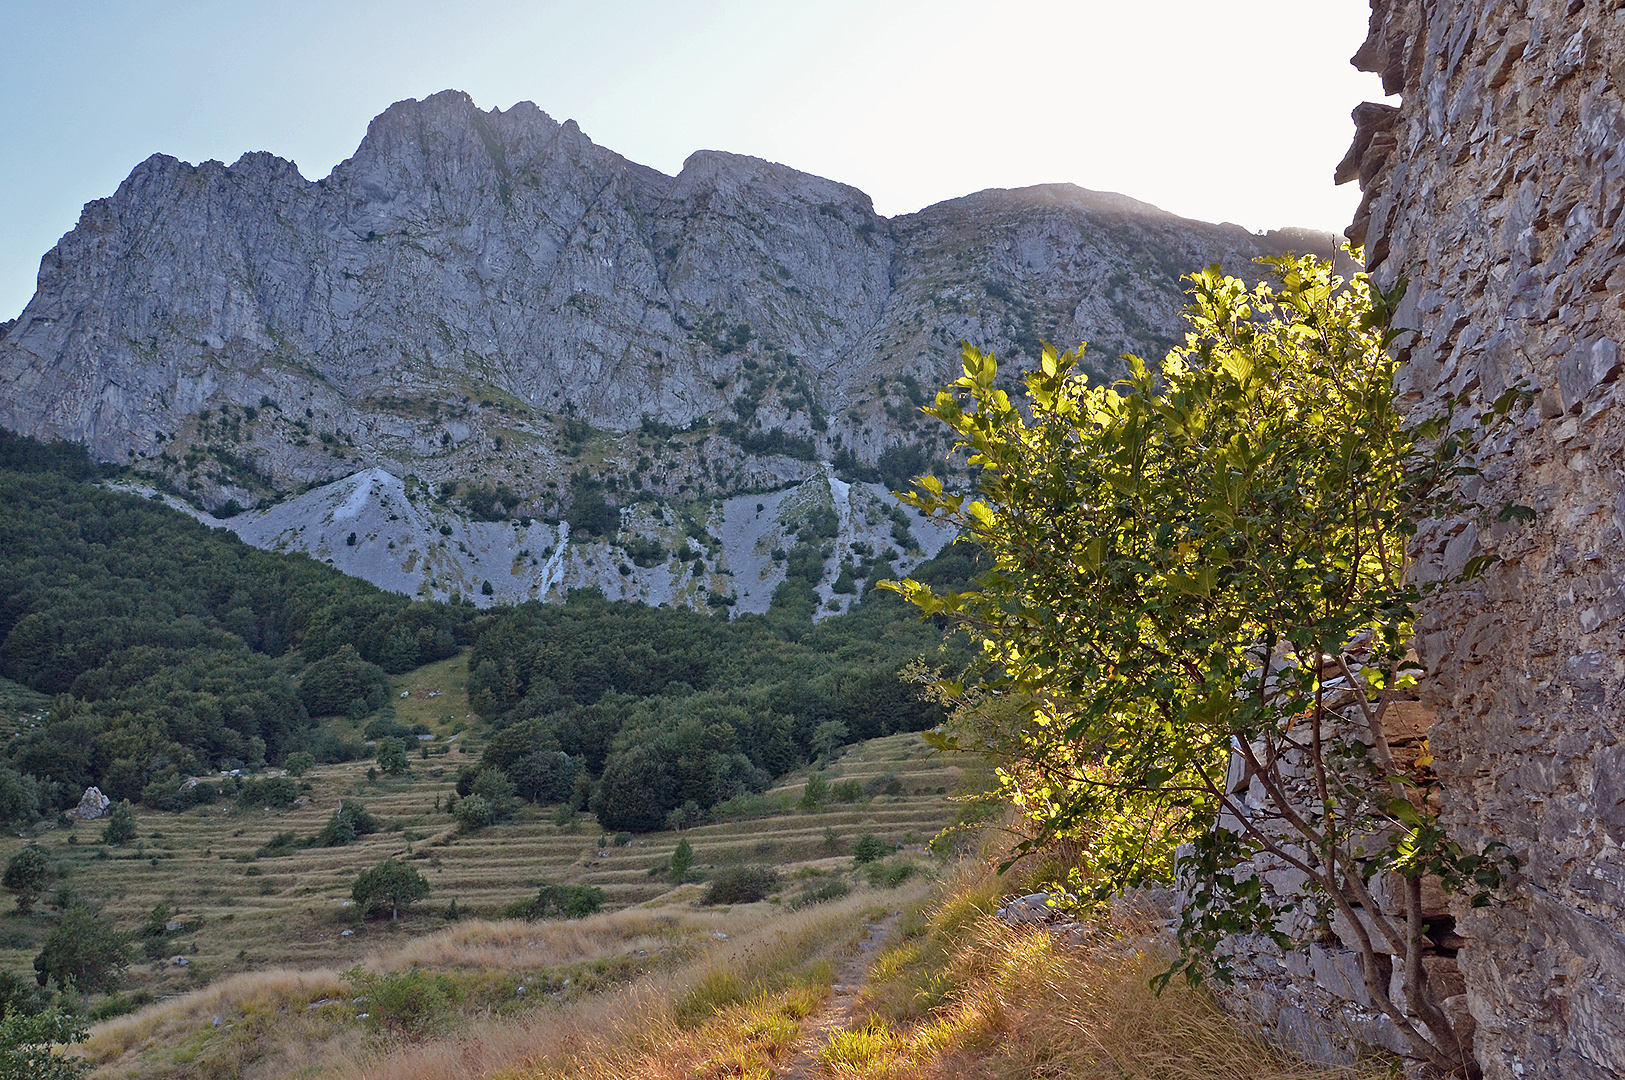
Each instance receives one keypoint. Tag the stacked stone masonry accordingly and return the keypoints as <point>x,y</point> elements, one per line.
<point>1495,188</point>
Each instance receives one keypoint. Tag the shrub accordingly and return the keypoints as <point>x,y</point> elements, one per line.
<point>869,848</point>
<point>888,875</point>
<point>298,764</point>
<point>283,843</point>
<point>349,821</point>
<point>120,827</point>
<point>329,748</point>
<point>819,890</point>
<point>473,813</point>
<point>558,902</point>
<point>26,1041</point>
<point>406,1002</point>
<point>741,885</point>
<point>276,791</point>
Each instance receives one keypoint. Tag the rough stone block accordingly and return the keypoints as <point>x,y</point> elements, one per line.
<point>1337,971</point>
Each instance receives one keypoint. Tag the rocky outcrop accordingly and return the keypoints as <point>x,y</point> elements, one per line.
<point>490,300</point>
<point>92,805</point>
<point>1496,189</point>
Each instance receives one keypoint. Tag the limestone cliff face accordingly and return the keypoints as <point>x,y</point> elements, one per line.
<point>491,300</point>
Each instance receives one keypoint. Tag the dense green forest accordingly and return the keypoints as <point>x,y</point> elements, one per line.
<point>171,650</point>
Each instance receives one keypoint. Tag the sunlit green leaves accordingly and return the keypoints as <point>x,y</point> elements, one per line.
<point>1153,538</point>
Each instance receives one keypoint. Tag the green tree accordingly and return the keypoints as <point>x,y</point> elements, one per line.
<point>1215,558</point>
<point>120,826</point>
<point>392,757</point>
<point>389,886</point>
<point>493,786</point>
<point>474,813</point>
<point>816,791</point>
<point>828,737</point>
<point>682,861</point>
<point>26,1042</point>
<point>299,763</point>
<point>26,875</point>
<point>635,791</point>
<point>83,953</point>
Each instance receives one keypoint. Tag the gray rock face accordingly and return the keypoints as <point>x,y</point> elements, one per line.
<point>491,300</point>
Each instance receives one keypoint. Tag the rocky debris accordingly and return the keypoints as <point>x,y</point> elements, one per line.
<point>1034,909</point>
<point>180,961</point>
<point>92,805</point>
<point>1496,190</point>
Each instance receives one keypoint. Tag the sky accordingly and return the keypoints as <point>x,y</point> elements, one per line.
<point>1220,111</point>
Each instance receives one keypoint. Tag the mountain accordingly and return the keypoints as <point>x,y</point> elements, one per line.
<point>485,349</point>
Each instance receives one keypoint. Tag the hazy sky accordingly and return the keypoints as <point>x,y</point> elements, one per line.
<point>1222,111</point>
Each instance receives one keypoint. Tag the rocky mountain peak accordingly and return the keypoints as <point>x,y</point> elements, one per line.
<point>490,308</point>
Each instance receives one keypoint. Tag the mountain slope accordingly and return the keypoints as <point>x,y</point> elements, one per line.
<point>494,310</point>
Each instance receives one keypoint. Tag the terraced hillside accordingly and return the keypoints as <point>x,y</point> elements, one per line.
<point>241,911</point>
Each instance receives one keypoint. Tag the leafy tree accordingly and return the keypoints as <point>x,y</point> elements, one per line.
<point>26,875</point>
<point>392,757</point>
<point>120,826</point>
<point>682,861</point>
<point>26,1041</point>
<point>299,763</point>
<point>1209,559</point>
<point>474,813</point>
<point>343,683</point>
<point>493,786</point>
<point>389,886</point>
<point>83,953</point>
<point>20,797</point>
<point>545,776</point>
<point>828,737</point>
<point>635,791</point>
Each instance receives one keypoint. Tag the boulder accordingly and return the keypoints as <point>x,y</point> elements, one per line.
<point>92,805</point>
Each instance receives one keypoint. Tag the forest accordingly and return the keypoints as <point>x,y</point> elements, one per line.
<point>171,650</point>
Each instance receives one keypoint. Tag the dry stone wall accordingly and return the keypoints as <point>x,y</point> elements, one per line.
<point>1496,188</point>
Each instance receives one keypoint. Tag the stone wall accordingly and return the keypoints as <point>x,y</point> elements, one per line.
<point>1496,189</point>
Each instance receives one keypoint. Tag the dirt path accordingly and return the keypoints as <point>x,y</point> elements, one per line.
<point>839,1012</point>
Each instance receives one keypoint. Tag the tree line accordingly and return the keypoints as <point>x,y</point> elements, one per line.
<point>171,649</point>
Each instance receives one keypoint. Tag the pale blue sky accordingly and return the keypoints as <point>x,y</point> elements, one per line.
<point>1222,111</point>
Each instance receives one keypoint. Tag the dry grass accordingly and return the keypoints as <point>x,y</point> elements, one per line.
<point>270,1025</point>
<point>969,998</point>
<point>732,1012</point>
